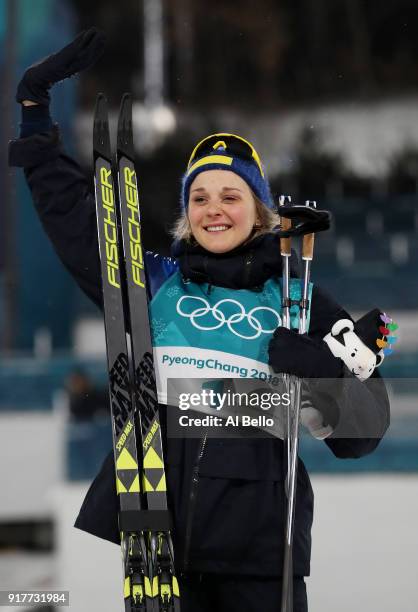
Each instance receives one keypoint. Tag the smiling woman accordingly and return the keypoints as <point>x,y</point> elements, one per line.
<point>226,196</point>
<point>227,496</point>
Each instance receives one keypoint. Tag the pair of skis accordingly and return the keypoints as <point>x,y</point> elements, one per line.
<point>150,583</point>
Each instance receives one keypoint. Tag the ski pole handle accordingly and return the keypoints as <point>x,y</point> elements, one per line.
<point>308,239</point>
<point>308,246</point>
<point>286,224</point>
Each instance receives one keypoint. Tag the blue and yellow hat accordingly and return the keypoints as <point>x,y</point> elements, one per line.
<point>228,152</point>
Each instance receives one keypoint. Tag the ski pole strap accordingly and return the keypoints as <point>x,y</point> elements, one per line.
<point>145,520</point>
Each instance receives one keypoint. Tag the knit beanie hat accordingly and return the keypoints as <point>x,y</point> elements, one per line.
<point>228,152</point>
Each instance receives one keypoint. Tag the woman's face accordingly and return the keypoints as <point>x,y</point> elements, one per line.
<point>222,211</point>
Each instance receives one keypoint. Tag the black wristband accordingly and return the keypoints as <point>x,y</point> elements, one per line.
<point>35,119</point>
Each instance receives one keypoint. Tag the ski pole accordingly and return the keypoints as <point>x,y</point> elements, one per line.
<point>285,252</point>
<point>307,256</point>
<point>293,438</point>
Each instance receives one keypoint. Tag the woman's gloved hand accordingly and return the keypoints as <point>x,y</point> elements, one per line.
<point>80,54</point>
<point>292,353</point>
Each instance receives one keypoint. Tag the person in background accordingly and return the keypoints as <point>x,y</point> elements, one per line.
<point>86,401</point>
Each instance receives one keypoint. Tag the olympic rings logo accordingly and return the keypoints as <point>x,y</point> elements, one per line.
<point>221,319</point>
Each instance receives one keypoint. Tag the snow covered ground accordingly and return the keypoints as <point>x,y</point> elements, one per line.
<point>365,544</point>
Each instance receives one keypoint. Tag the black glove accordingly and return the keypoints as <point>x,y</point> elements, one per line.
<point>292,353</point>
<point>305,220</point>
<point>80,54</point>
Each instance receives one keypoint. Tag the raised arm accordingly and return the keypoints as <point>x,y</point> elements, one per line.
<point>59,188</point>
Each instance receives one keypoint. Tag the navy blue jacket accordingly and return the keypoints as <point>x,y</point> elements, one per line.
<point>226,495</point>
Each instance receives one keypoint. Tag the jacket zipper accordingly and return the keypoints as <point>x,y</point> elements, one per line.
<point>192,500</point>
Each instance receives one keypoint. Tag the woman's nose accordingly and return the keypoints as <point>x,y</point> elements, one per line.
<point>214,208</point>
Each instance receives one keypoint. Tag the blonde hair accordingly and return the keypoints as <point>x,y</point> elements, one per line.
<point>268,221</point>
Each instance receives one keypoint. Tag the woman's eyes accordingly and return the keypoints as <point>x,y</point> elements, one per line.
<point>203,200</point>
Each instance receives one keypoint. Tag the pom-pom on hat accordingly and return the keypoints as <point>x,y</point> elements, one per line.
<point>228,152</point>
